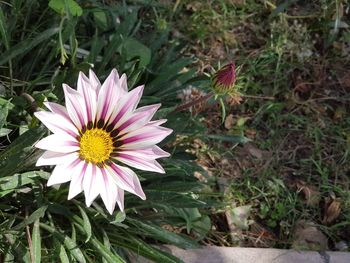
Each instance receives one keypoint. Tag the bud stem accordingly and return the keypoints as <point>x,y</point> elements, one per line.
<point>194,102</point>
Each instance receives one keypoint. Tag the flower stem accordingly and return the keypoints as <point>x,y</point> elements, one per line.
<point>194,102</point>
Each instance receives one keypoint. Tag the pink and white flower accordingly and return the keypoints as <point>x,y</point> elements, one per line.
<point>100,129</point>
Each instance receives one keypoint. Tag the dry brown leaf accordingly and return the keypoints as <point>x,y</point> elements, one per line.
<point>229,122</point>
<point>234,99</point>
<point>309,237</point>
<point>250,133</point>
<point>311,194</point>
<point>253,151</point>
<point>332,210</point>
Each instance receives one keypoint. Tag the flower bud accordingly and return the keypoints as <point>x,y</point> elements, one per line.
<point>224,79</point>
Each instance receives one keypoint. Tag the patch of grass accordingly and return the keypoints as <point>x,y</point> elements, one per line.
<point>297,52</point>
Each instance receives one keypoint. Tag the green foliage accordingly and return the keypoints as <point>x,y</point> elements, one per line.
<point>47,44</point>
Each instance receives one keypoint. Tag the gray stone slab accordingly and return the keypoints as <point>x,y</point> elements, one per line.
<point>214,254</point>
<point>255,255</point>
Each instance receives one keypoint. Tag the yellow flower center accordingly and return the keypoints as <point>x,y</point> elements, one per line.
<point>96,145</point>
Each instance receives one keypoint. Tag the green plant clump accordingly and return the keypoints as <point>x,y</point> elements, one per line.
<point>44,44</point>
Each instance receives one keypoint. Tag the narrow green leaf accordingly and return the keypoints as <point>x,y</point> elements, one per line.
<point>63,254</point>
<point>112,47</point>
<point>167,73</point>
<point>59,247</point>
<point>105,252</point>
<point>159,233</point>
<point>70,244</point>
<point>142,248</point>
<point>106,243</point>
<point>134,48</point>
<point>20,149</point>
<point>18,180</point>
<point>86,224</point>
<point>3,29</point>
<point>40,212</point>
<point>119,217</point>
<point>36,240</point>
<point>27,45</point>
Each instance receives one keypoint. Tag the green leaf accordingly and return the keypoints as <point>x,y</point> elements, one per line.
<point>19,180</point>
<point>106,243</point>
<point>166,73</point>
<point>100,19</point>
<point>60,6</point>
<point>20,149</point>
<point>159,233</point>
<point>133,48</point>
<point>27,45</point>
<point>86,224</point>
<point>119,217</point>
<point>4,132</point>
<point>142,248</point>
<point>40,212</point>
<point>3,29</point>
<point>4,109</point>
<point>3,193</point>
<point>36,240</point>
<point>69,243</point>
<point>62,253</point>
<point>105,252</point>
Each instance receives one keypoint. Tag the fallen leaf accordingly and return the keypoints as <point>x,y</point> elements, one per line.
<point>253,151</point>
<point>250,133</point>
<point>239,216</point>
<point>229,122</point>
<point>332,210</point>
<point>309,237</point>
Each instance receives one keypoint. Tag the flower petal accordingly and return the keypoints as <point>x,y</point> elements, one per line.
<point>54,158</point>
<point>123,83</point>
<point>95,82</point>
<point>58,143</point>
<point>76,184</point>
<point>58,109</point>
<point>126,106</point>
<point>144,137</point>
<point>140,163</point>
<point>108,96</point>
<point>138,119</point>
<point>120,199</point>
<point>63,172</point>
<point>90,184</point>
<point>75,106</point>
<point>57,123</point>
<point>89,95</point>
<point>126,179</point>
<point>151,153</point>
<point>109,192</point>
